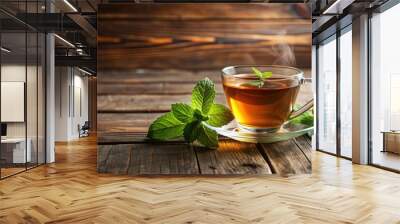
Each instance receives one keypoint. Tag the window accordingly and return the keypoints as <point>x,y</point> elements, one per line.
<point>333,106</point>
<point>346,92</point>
<point>22,78</point>
<point>385,89</point>
<point>327,96</point>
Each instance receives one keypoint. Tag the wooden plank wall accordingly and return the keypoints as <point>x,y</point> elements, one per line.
<point>92,99</point>
<point>170,46</point>
<point>201,37</point>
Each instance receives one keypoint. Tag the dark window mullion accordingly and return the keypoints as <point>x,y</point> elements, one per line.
<point>316,97</point>
<point>37,91</point>
<point>26,88</point>
<point>369,79</point>
<point>338,74</point>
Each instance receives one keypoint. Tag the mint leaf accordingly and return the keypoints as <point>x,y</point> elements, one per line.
<point>166,127</point>
<point>266,75</point>
<point>307,118</point>
<point>261,78</point>
<point>257,72</point>
<point>191,131</point>
<point>199,116</point>
<point>219,115</point>
<point>189,120</point>
<point>257,83</point>
<point>207,137</point>
<point>203,95</point>
<point>183,112</point>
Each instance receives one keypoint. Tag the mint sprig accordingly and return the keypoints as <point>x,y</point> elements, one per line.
<point>203,95</point>
<point>166,127</point>
<point>182,112</point>
<point>307,118</point>
<point>262,76</point>
<point>187,121</point>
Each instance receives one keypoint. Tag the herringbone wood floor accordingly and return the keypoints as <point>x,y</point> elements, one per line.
<point>70,191</point>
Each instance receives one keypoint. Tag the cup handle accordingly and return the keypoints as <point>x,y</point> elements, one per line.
<point>304,108</point>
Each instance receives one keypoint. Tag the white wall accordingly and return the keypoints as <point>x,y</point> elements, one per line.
<point>80,109</point>
<point>70,83</point>
<point>14,73</point>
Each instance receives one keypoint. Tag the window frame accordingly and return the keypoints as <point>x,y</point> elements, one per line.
<point>338,29</point>
<point>27,29</point>
<point>347,27</point>
<point>378,10</point>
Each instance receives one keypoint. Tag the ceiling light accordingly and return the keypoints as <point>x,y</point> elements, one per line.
<point>65,41</point>
<point>79,51</point>
<point>70,5</point>
<point>5,50</point>
<point>337,7</point>
<point>84,71</point>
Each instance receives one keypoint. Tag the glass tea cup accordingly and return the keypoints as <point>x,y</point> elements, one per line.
<point>263,105</point>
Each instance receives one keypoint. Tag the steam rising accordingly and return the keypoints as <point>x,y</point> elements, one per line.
<point>283,52</point>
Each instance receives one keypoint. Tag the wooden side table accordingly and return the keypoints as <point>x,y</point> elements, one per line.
<point>391,141</point>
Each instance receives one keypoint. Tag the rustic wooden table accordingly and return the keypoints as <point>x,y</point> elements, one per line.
<point>124,149</point>
<point>151,55</point>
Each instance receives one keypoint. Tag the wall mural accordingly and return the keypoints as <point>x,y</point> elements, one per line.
<point>151,56</point>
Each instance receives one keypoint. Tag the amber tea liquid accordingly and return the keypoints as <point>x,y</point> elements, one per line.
<point>268,106</point>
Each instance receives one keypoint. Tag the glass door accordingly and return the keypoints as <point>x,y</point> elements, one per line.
<point>22,79</point>
<point>14,153</point>
<point>334,94</point>
<point>326,96</point>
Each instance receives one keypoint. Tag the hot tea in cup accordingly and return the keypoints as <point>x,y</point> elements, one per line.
<point>262,104</point>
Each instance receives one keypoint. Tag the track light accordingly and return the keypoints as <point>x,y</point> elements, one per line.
<point>5,50</point>
<point>70,5</point>
<point>65,41</point>
<point>84,71</point>
<point>337,7</point>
